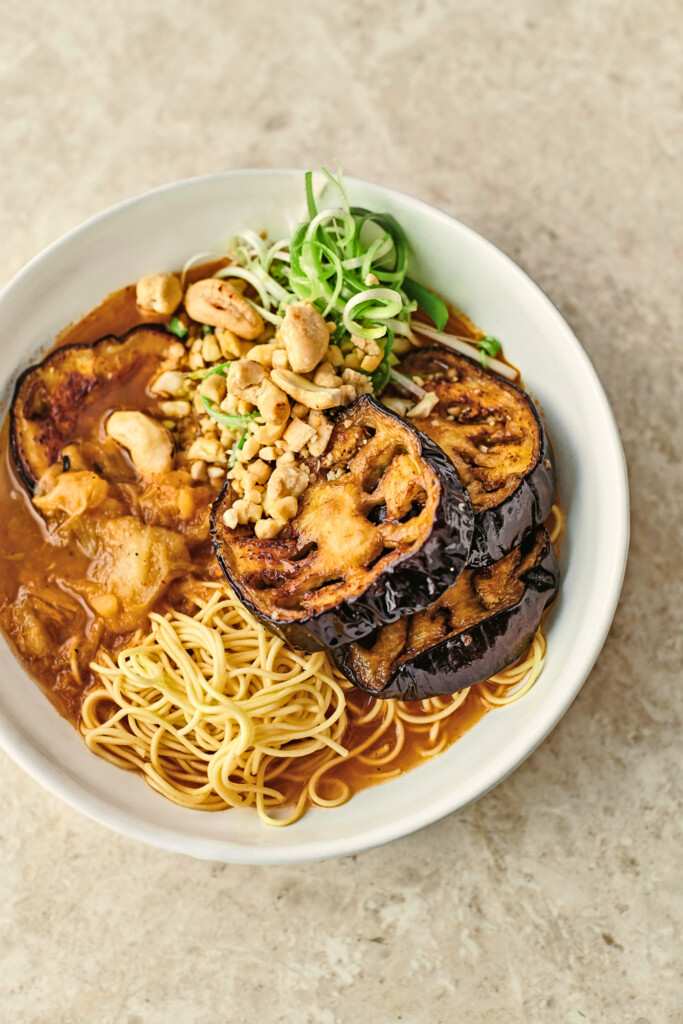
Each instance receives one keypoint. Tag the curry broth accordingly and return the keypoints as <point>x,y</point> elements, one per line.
<point>30,563</point>
<point>36,573</point>
<point>38,566</point>
<point>36,570</point>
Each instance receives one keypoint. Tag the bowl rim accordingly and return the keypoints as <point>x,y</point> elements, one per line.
<point>35,763</point>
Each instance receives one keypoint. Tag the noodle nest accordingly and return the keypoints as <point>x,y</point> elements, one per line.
<point>205,705</point>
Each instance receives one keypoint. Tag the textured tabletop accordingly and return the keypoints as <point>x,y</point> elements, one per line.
<point>555,130</point>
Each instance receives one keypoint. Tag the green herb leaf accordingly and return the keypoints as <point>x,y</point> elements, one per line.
<point>177,327</point>
<point>310,198</point>
<point>488,346</point>
<point>429,303</point>
<point>206,329</point>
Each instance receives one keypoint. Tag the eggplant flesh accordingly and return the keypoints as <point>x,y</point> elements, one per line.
<point>54,400</point>
<point>492,432</point>
<point>483,623</point>
<point>382,530</point>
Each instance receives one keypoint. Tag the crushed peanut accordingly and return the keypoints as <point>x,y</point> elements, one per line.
<point>298,434</point>
<point>211,352</point>
<point>207,449</point>
<point>170,382</point>
<point>214,388</point>
<point>198,471</point>
<point>177,410</point>
<point>266,529</point>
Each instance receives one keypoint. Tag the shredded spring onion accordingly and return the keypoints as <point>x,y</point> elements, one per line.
<point>351,263</point>
<point>234,422</point>
<point>237,447</point>
<point>407,384</point>
<point>249,276</point>
<point>369,306</point>
<point>466,347</point>
<point>221,369</point>
<point>197,259</point>
<point>202,374</point>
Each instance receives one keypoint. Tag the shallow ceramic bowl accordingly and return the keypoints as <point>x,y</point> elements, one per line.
<point>158,232</point>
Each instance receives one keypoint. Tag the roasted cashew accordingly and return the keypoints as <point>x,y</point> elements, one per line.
<point>305,335</point>
<point>149,443</point>
<point>301,390</point>
<point>244,379</point>
<point>273,403</point>
<point>214,302</point>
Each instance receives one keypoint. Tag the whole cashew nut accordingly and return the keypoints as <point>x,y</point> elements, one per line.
<point>149,443</point>
<point>305,335</point>
<point>313,396</point>
<point>216,303</point>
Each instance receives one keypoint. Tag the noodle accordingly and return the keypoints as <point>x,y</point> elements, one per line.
<point>215,712</point>
<point>205,704</point>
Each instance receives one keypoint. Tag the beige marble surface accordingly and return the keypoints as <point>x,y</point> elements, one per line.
<point>555,129</point>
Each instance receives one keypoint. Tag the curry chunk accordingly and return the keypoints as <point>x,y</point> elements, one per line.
<point>73,494</point>
<point>135,563</point>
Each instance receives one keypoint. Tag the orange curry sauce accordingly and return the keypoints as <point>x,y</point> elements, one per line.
<point>35,573</point>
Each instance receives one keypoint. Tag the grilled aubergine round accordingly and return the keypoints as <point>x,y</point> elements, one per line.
<point>382,531</point>
<point>493,434</point>
<point>52,400</point>
<point>478,627</point>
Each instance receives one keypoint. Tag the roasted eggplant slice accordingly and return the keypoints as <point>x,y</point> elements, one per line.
<point>382,530</point>
<point>483,623</point>
<point>52,400</point>
<point>494,435</point>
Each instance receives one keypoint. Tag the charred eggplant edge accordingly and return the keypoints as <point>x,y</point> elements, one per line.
<point>499,529</point>
<point>28,482</point>
<point>476,653</point>
<point>410,584</point>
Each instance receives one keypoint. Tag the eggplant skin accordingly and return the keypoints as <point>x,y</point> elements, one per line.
<point>472,653</point>
<point>413,577</point>
<point>509,502</point>
<point>498,530</point>
<point>50,396</point>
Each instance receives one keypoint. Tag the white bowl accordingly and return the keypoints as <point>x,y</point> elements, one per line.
<point>158,232</point>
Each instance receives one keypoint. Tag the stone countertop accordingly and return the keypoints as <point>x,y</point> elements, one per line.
<point>555,130</point>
